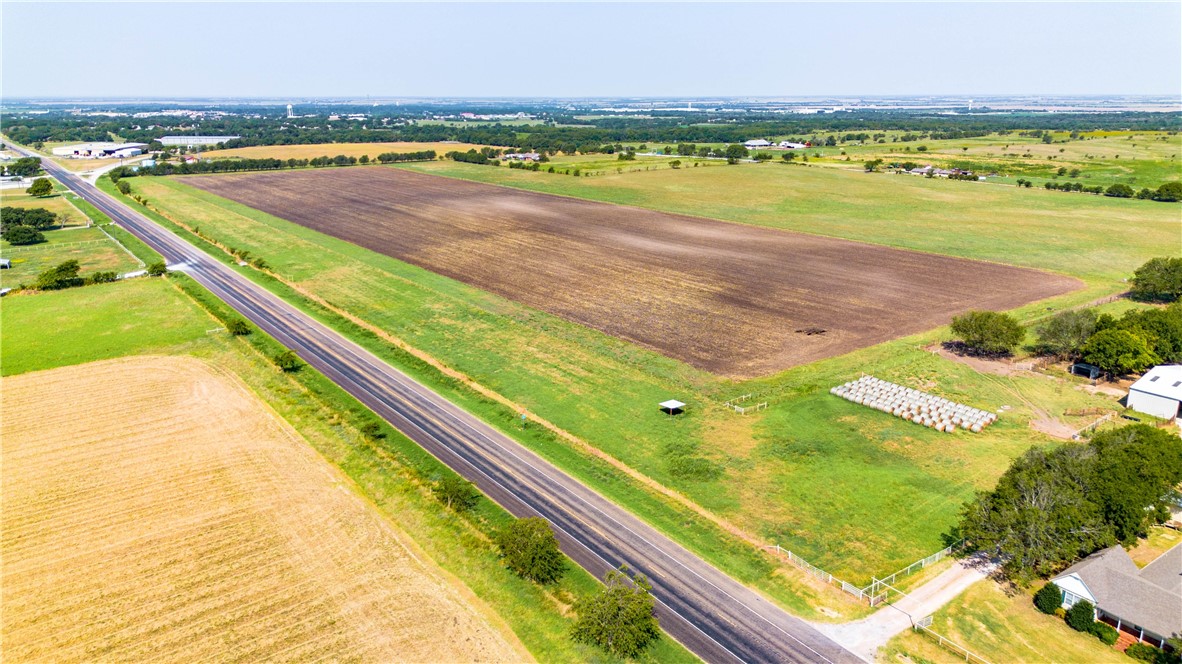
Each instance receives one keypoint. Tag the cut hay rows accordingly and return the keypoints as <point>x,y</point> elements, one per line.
<point>153,510</point>
<point>919,407</point>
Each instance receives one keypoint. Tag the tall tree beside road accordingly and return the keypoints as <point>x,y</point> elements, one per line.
<point>531,550</point>
<point>619,619</point>
<point>41,188</point>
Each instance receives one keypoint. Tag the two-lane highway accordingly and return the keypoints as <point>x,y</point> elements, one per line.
<point>716,617</point>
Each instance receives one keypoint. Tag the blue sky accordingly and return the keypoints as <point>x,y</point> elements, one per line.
<point>564,50</point>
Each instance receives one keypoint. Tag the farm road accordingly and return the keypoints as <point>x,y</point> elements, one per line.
<point>713,615</point>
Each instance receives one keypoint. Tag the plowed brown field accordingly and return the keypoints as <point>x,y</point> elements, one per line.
<point>731,299</point>
<point>155,511</point>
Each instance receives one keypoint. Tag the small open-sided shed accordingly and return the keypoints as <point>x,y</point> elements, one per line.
<point>672,407</point>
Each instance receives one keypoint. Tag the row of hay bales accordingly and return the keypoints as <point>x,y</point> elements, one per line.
<point>919,407</point>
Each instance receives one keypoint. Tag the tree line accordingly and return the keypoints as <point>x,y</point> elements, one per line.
<point>1131,343</point>
<point>1056,505</point>
<point>22,226</point>
<point>273,128</point>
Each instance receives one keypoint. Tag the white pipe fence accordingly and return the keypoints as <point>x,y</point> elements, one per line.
<point>969,656</point>
<point>879,589</point>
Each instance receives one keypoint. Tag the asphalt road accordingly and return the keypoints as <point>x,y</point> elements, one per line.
<point>713,615</point>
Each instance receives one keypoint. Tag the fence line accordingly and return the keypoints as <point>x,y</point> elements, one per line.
<point>969,656</point>
<point>936,557</point>
<point>879,589</point>
<point>733,404</point>
<point>121,246</point>
<point>52,244</point>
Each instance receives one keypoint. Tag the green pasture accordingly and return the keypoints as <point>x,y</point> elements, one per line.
<point>1098,239</point>
<point>856,491</point>
<point>93,249</point>
<point>60,328</point>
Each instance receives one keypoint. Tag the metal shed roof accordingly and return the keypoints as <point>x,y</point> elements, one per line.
<point>1164,381</point>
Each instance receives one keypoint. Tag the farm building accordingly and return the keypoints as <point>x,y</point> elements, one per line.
<point>523,156</point>
<point>758,143</point>
<point>194,141</point>
<point>789,145</point>
<point>100,150</point>
<point>1158,392</point>
<point>1145,604</point>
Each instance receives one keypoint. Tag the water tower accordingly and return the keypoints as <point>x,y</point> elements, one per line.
<point>289,113</point>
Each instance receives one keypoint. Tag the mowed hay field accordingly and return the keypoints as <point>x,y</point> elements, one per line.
<point>314,150</point>
<point>161,513</point>
<point>732,299</point>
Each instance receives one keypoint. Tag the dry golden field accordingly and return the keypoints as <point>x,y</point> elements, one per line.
<point>314,150</point>
<point>155,510</point>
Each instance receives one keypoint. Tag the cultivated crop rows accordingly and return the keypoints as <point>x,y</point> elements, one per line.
<point>154,511</point>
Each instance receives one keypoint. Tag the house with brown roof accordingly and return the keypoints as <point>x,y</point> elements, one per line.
<point>1145,603</point>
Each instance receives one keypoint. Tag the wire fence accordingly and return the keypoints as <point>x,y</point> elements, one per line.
<point>924,626</point>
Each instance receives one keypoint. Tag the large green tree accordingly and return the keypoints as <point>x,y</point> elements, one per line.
<point>1055,505</point>
<point>19,235</point>
<point>62,275</point>
<point>531,550</point>
<point>1118,352</point>
<point>989,332</point>
<point>619,619</point>
<point>1067,332</point>
<point>41,187</point>
<point>1158,280</point>
<point>1135,471</point>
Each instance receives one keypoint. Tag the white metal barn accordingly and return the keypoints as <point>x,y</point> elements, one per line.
<point>194,141</point>
<point>1158,392</point>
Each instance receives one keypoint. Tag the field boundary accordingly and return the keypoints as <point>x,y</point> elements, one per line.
<point>871,593</point>
<point>924,626</point>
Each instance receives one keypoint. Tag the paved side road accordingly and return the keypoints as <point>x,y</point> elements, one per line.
<point>713,615</point>
<point>864,637</point>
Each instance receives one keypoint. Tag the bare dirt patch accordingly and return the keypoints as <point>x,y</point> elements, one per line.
<point>156,511</point>
<point>724,297</point>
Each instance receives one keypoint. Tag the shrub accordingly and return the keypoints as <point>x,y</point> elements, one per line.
<point>63,275</point>
<point>1081,616</point>
<point>1061,613</point>
<point>1144,652</point>
<point>989,331</point>
<point>20,235</point>
<point>1119,191</point>
<point>1048,598</point>
<point>456,492</point>
<point>1104,632</point>
<point>157,269</point>
<point>372,430</point>
<point>102,278</point>
<point>287,361</point>
<point>238,327</point>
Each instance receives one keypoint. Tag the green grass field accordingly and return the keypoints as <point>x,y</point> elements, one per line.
<point>59,203</point>
<point>1049,230</point>
<point>857,492</point>
<point>154,316</point>
<point>92,248</point>
<point>1000,628</point>
<point>77,325</point>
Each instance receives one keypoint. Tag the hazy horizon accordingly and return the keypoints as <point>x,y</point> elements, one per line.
<point>580,51</point>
